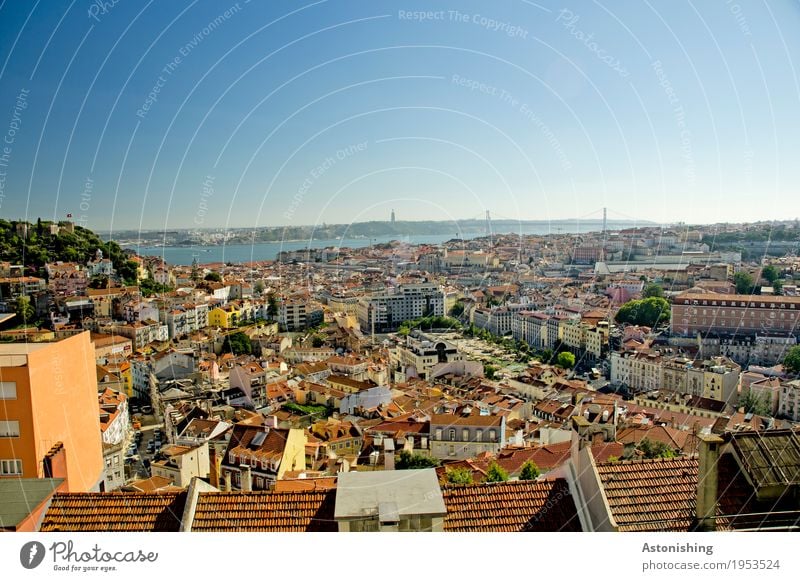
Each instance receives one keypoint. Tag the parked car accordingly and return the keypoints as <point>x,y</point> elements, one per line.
<point>151,446</point>
<point>146,409</point>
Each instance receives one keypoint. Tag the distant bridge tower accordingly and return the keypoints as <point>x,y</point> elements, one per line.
<point>488,224</point>
<point>392,216</point>
<point>605,219</point>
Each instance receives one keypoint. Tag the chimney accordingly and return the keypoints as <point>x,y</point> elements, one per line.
<point>247,478</point>
<point>388,454</point>
<point>708,482</point>
<point>228,477</point>
<point>628,450</point>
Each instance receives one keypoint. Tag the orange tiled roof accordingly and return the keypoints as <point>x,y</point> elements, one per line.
<point>651,495</point>
<point>279,512</point>
<point>517,506</point>
<point>114,512</point>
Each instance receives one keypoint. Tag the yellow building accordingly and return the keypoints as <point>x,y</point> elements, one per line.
<point>225,317</point>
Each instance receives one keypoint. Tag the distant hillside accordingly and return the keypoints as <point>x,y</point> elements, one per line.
<point>376,229</point>
<point>40,247</point>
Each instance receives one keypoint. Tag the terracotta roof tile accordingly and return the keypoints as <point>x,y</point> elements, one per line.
<point>518,506</point>
<point>282,512</point>
<point>651,495</point>
<point>114,512</point>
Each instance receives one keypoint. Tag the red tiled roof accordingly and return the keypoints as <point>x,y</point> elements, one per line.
<point>518,506</point>
<point>114,512</point>
<point>278,512</point>
<point>651,495</point>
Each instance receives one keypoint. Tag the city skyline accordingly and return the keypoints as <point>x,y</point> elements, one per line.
<point>245,115</point>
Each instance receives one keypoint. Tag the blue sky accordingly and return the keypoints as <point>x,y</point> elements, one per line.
<point>160,115</point>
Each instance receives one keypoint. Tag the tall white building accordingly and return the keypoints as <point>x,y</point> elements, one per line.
<point>387,310</point>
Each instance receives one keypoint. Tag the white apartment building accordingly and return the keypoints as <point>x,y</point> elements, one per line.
<point>387,310</point>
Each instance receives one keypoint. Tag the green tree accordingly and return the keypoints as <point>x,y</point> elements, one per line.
<point>237,343</point>
<point>412,461</point>
<point>771,273</point>
<point>753,404</point>
<point>24,309</point>
<point>530,471</point>
<point>317,341</point>
<point>495,473</point>
<point>129,271</point>
<point>652,290</point>
<point>744,283</point>
<point>792,360</point>
<point>654,449</point>
<point>459,476</point>
<point>650,312</point>
<point>99,281</point>
<point>566,360</point>
<point>457,309</point>
<point>489,371</point>
<point>272,306</point>
<point>258,287</point>
<point>213,276</point>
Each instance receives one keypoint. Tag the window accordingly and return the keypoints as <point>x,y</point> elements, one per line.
<point>9,429</point>
<point>465,434</point>
<point>10,467</point>
<point>8,390</point>
<point>452,434</point>
<point>492,435</point>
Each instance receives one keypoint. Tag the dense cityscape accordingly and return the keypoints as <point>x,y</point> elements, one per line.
<point>643,379</point>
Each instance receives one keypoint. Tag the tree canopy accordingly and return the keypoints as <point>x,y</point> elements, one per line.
<point>565,360</point>
<point>754,404</point>
<point>744,283</point>
<point>24,309</point>
<point>771,273</point>
<point>530,471</point>
<point>412,461</point>
<point>428,323</point>
<point>237,343</point>
<point>654,449</point>
<point>652,290</point>
<point>213,276</point>
<point>650,312</point>
<point>495,473</point>
<point>459,476</point>
<point>792,359</point>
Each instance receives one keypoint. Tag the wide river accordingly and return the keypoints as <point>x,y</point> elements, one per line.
<point>238,253</point>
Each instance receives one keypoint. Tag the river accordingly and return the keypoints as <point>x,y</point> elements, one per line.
<point>238,253</point>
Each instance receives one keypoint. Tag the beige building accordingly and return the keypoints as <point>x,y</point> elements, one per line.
<point>182,463</point>
<point>697,312</point>
<point>716,378</point>
<point>421,355</point>
<point>455,437</point>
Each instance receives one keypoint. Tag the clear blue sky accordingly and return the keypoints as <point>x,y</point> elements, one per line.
<point>278,113</point>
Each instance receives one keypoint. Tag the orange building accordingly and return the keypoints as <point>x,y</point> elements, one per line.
<point>48,395</point>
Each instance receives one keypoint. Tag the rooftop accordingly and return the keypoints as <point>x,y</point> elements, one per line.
<point>21,496</point>
<point>277,512</point>
<point>359,494</point>
<point>519,506</point>
<point>115,512</point>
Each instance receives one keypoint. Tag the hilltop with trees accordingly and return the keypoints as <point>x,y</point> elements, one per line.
<point>41,246</point>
